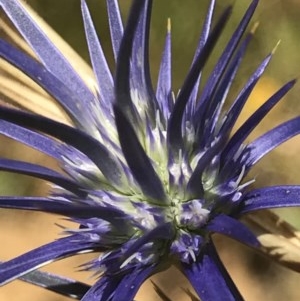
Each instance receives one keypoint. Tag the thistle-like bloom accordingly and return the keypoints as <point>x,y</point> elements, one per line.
<point>148,176</point>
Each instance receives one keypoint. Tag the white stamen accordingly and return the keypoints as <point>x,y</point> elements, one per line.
<point>192,253</point>
<point>127,260</point>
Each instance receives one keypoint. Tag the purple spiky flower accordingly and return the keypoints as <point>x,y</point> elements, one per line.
<point>148,176</point>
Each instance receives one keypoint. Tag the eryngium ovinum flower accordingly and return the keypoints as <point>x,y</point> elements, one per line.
<point>148,176</point>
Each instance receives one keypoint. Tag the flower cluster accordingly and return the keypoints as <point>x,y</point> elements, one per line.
<point>148,176</point>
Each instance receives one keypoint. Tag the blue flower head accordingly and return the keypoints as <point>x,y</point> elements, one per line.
<point>147,175</point>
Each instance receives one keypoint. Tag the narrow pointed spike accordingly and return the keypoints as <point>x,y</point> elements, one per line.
<point>113,215</point>
<point>174,138</point>
<point>57,284</point>
<point>203,39</point>
<point>40,172</point>
<point>100,66</point>
<point>238,104</point>
<point>233,114</point>
<point>164,82</point>
<point>59,90</point>
<point>242,133</point>
<point>26,203</point>
<point>137,159</point>
<point>32,139</point>
<point>140,69</point>
<point>115,25</point>
<point>223,62</point>
<point>270,140</point>
<point>122,80</point>
<point>51,57</point>
<point>91,147</point>
<point>206,28</point>
<point>217,101</point>
<point>41,256</point>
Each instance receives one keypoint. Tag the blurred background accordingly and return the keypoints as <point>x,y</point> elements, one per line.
<point>257,278</point>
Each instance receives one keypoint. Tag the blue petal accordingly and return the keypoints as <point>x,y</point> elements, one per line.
<point>137,159</point>
<point>115,25</point>
<point>231,227</point>
<point>174,137</point>
<point>242,133</point>
<point>91,147</point>
<point>41,172</point>
<point>64,247</point>
<point>210,279</point>
<point>271,197</point>
<point>58,284</point>
<point>267,142</point>
<point>100,67</point>
<point>51,57</point>
<point>131,283</point>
